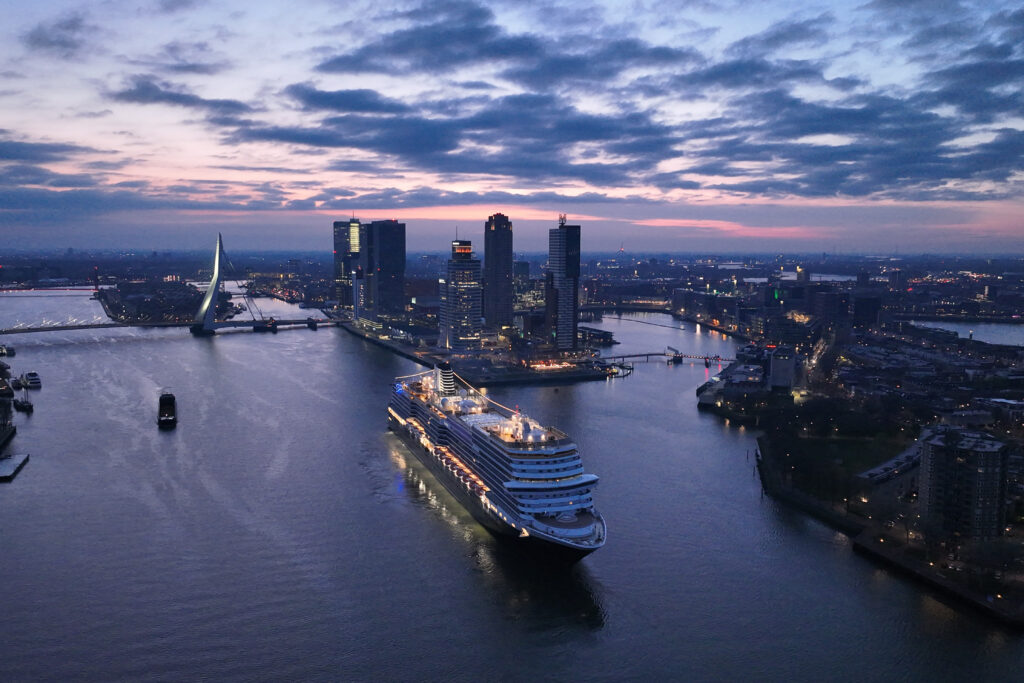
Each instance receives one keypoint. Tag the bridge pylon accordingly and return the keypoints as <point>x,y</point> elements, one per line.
<point>204,324</point>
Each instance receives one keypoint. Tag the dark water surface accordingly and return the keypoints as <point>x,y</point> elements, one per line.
<point>281,533</point>
<point>994,333</point>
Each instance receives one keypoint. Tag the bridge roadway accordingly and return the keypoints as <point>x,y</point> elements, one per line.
<point>666,354</point>
<point>220,325</point>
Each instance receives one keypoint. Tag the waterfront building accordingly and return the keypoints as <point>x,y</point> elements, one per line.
<point>346,253</point>
<point>783,366</point>
<point>379,271</point>
<point>498,295</point>
<point>963,484</point>
<point>460,291</point>
<point>561,295</point>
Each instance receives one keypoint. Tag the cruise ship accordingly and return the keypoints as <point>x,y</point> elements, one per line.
<point>516,477</point>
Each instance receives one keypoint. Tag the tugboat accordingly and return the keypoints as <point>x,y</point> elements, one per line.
<point>24,404</point>
<point>167,417</point>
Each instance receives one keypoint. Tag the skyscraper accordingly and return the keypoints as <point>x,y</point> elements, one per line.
<point>460,291</point>
<point>346,253</point>
<point>379,283</point>
<point>562,285</point>
<point>340,251</point>
<point>498,271</point>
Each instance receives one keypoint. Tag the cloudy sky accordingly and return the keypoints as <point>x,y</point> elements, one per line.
<point>887,126</point>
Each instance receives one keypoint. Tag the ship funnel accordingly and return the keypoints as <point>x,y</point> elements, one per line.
<point>445,379</point>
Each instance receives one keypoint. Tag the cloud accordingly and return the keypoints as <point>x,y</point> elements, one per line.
<point>750,73</point>
<point>64,37</point>
<point>264,169</point>
<point>13,150</point>
<point>109,165</point>
<point>883,147</point>
<point>180,57</point>
<point>361,101</point>
<point>395,198</point>
<point>170,6</point>
<point>605,60</point>
<point>985,84</point>
<point>454,34</point>
<point>810,32</point>
<point>147,89</point>
<point>530,137</point>
<point>24,174</point>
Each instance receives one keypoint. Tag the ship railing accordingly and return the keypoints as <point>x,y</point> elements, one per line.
<point>537,445</point>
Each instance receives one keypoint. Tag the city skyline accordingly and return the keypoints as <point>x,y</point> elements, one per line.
<point>877,127</point>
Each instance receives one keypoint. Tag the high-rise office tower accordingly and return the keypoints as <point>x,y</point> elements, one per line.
<point>520,276</point>
<point>963,484</point>
<point>340,250</point>
<point>562,285</point>
<point>460,291</point>
<point>379,286</point>
<point>498,294</point>
<point>346,252</point>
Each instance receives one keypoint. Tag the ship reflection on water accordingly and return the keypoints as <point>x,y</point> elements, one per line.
<point>529,585</point>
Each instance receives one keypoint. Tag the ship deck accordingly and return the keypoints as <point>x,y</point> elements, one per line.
<point>583,519</point>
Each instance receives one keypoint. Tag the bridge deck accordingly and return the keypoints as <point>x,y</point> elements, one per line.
<point>218,325</point>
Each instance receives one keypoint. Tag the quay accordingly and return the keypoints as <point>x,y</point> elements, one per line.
<point>1008,611</point>
<point>868,540</point>
<point>7,433</point>
<point>383,343</point>
<point>484,376</point>
<point>10,465</point>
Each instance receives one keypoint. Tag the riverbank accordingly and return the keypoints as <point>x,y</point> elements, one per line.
<point>989,319</point>
<point>385,344</point>
<point>1003,607</point>
<point>7,433</point>
<point>482,374</point>
<point>870,539</point>
<point>775,483</point>
<point>716,328</point>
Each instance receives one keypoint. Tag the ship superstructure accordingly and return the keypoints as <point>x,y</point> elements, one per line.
<point>517,477</point>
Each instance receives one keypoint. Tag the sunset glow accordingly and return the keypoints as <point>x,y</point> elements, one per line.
<point>878,126</point>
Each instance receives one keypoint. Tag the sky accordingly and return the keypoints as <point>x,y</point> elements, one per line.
<point>881,127</point>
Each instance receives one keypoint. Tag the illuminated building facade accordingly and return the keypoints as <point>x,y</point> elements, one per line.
<point>562,285</point>
<point>460,291</point>
<point>346,254</point>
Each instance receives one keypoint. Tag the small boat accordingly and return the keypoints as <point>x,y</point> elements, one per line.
<point>24,404</point>
<point>6,350</point>
<point>31,380</point>
<point>167,416</point>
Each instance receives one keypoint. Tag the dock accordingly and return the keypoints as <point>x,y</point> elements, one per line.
<point>7,433</point>
<point>10,465</point>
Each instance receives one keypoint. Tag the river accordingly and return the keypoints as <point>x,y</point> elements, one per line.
<point>993,333</point>
<point>281,533</point>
